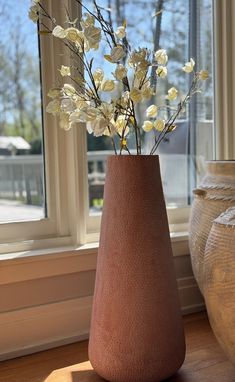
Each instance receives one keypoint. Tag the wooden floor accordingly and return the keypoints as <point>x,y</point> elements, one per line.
<point>205,361</point>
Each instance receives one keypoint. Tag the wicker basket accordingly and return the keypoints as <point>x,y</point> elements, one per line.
<point>219,280</point>
<point>215,195</point>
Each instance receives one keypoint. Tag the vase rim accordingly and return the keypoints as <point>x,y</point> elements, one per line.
<point>144,156</point>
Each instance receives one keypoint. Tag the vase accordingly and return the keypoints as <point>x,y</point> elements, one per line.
<point>136,328</point>
<point>219,280</point>
<point>215,194</point>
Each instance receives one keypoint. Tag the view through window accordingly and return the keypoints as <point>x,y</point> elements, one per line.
<point>184,29</point>
<point>21,158</point>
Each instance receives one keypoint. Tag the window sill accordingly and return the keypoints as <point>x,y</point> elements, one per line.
<point>33,264</point>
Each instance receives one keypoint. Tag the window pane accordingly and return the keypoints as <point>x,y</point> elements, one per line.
<point>21,158</point>
<point>184,29</point>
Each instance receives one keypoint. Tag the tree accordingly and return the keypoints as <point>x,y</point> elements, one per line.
<point>20,96</point>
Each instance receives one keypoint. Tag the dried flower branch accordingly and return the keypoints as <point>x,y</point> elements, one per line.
<point>133,70</point>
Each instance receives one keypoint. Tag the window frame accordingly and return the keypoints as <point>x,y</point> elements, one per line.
<point>60,227</point>
<point>224,80</point>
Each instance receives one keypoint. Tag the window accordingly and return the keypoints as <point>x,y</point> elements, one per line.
<point>72,210</point>
<point>50,225</point>
<point>22,195</point>
<point>184,29</point>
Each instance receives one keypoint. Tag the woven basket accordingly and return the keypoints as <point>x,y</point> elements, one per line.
<point>220,177</point>
<point>219,280</point>
<point>215,195</point>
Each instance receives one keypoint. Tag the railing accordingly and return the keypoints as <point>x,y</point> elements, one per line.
<point>174,171</point>
<point>21,177</point>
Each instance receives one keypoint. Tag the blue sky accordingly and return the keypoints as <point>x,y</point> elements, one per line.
<point>14,13</point>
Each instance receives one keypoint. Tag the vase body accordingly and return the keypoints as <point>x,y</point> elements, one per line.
<point>219,280</point>
<point>215,194</point>
<point>136,328</point>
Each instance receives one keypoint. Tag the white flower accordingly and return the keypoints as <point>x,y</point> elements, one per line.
<point>117,53</point>
<point>107,86</point>
<point>90,113</point>
<point>159,124</point>
<point>88,21</point>
<point>188,67</point>
<point>98,126</point>
<point>152,111</point>
<point>110,130</point>
<point>74,35</point>
<point>67,105</point>
<point>203,75</point>
<point>98,75</point>
<point>93,36</point>
<point>120,72</point>
<point>161,71</point>
<point>161,57</point>
<point>34,12</point>
<point>120,32</point>
<point>59,32</point>
<point>147,126</point>
<point>69,90</point>
<point>53,93</point>
<point>107,110</point>
<point>124,100</point>
<point>135,95</point>
<point>80,103</point>
<point>147,91</point>
<point>172,94</point>
<point>121,125</point>
<point>138,57</point>
<point>76,116</point>
<point>65,122</point>
<point>140,74</point>
<point>53,107</point>
<point>65,71</point>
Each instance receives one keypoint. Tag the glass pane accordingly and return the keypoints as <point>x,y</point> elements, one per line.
<point>184,29</point>
<point>21,158</point>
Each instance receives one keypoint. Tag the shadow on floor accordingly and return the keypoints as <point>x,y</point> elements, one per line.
<point>91,376</point>
<point>86,376</point>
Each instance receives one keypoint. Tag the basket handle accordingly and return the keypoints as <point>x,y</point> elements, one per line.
<point>199,192</point>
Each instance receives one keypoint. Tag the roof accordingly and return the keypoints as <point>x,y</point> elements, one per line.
<point>14,142</point>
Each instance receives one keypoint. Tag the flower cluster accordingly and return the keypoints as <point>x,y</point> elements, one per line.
<point>83,99</point>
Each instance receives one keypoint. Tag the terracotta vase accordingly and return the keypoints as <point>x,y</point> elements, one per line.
<point>215,195</point>
<point>136,328</point>
<point>219,280</point>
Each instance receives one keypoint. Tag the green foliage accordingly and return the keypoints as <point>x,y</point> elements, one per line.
<point>100,143</point>
<point>36,146</point>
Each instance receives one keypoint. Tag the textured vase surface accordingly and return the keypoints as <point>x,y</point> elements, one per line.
<point>219,280</point>
<point>215,195</point>
<point>136,329</point>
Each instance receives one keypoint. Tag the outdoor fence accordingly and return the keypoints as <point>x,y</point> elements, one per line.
<point>21,178</point>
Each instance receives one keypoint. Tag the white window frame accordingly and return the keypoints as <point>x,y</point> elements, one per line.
<point>224,84</point>
<point>224,106</point>
<point>69,223</point>
<point>62,227</point>
<point>178,217</point>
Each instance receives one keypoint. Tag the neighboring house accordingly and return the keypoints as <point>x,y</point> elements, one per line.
<point>13,145</point>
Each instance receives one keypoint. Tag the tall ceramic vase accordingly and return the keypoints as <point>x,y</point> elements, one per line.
<point>136,329</point>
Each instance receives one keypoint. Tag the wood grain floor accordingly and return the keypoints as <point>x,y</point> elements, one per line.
<point>205,361</point>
